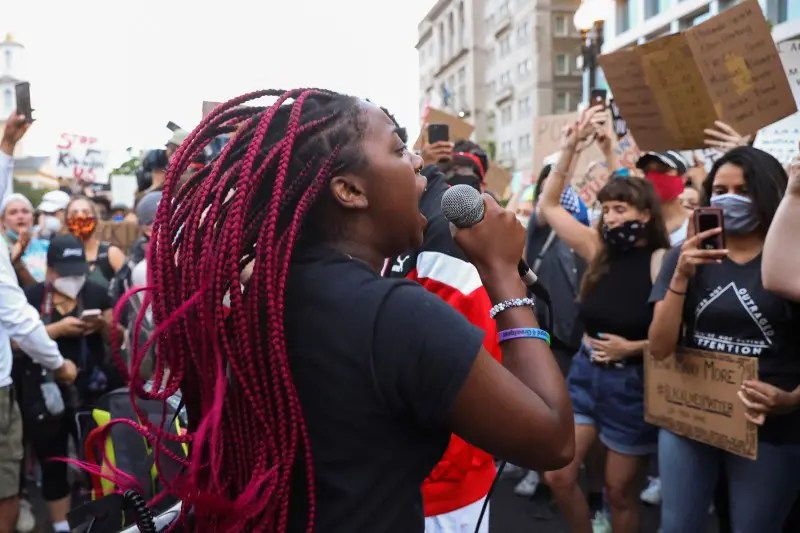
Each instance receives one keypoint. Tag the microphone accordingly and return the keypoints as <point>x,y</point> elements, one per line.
<point>463,206</point>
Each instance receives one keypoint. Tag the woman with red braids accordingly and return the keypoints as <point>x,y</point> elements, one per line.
<point>319,394</point>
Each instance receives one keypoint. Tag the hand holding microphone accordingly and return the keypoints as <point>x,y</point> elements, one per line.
<point>491,237</point>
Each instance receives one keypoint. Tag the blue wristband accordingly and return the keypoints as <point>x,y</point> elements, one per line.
<point>523,333</point>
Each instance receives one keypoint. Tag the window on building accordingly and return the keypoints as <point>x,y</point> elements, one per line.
<point>694,19</point>
<point>8,101</point>
<point>8,60</point>
<point>524,33</point>
<point>525,145</point>
<point>461,91</point>
<point>504,9</point>
<point>651,8</point>
<point>506,115</point>
<point>462,42</point>
<point>524,69</point>
<point>578,64</point>
<point>441,43</point>
<point>505,46</point>
<point>524,107</point>
<point>787,10</point>
<point>562,26</point>
<point>507,149</point>
<point>624,15</point>
<point>562,64</point>
<point>562,102</point>
<point>451,36</point>
<point>505,80</point>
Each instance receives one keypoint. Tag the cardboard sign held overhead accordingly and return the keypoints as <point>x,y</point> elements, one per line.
<point>459,129</point>
<point>781,138</point>
<point>727,68</point>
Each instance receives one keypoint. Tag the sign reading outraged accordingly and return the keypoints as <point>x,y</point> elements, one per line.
<point>694,393</point>
<point>81,158</point>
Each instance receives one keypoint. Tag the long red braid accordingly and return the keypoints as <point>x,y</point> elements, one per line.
<point>250,206</point>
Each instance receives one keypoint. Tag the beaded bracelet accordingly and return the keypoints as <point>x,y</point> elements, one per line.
<point>523,333</point>
<point>510,304</point>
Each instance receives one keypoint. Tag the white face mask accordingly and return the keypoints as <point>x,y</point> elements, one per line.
<point>69,286</point>
<point>50,225</point>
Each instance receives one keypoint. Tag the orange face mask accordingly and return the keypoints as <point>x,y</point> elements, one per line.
<point>82,226</point>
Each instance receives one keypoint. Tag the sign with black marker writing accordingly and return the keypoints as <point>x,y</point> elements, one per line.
<point>80,157</point>
<point>694,393</point>
<point>726,68</point>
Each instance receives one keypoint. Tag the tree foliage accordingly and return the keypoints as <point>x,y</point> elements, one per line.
<point>34,195</point>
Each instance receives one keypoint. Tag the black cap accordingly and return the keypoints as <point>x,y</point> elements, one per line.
<point>670,158</point>
<point>65,255</point>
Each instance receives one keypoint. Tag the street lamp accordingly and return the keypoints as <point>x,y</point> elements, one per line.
<point>589,21</point>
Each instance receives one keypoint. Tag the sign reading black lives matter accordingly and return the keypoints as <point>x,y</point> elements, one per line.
<point>694,393</point>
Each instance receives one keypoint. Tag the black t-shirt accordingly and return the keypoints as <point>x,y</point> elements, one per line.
<point>377,364</point>
<point>728,310</point>
<point>92,296</point>
<point>618,303</point>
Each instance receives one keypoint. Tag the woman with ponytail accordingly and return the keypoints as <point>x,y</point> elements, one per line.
<point>319,394</point>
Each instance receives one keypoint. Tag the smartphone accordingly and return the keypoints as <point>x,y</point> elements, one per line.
<point>89,315</point>
<point>598,97</point>
<point>438,132</point>
<point>706,218</point>
<point>23,91</point>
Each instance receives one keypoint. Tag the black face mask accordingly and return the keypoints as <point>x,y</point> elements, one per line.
<point>465,179</point>
<point>623,237</point>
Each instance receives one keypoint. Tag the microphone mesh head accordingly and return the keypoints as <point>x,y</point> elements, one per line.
<point>462,205</point>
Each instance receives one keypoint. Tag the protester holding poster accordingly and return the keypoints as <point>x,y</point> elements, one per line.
<point>719,298</point>
<point>606,376</point>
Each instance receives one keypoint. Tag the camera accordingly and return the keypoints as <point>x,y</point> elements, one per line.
<point>153,160</point>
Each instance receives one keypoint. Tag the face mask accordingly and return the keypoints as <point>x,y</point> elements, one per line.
<point>465,179</point>
<point>624,236</point>
<point>12,235</point>
<point>69,286</point>
<point>118,218</point>
<point>667,187</point>
<point>82,227</point>
<point>50,225</point>
<point>524,220</point>
<point>737,212</point>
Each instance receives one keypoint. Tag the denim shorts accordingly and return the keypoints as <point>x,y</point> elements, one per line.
<point>612,400</point>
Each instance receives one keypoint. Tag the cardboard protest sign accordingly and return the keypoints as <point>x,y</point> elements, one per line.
<point>459,129</point>
<point>208,107</point>
<point>781,138</point>
<point>120,234</point>
<point>694,393</point>
<point>727,68</point>
<point>591,171</point>
<point>498,180</point>
<point>81,158</point>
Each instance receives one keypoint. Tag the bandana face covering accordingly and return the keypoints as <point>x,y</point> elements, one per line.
<point>667,187</point>
<point>82,227</point>
<point>466,179</point>
<point>623,237</point>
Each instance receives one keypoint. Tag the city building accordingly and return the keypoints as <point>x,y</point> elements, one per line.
<point>11,65</point>
<point>452,61</point>
<point>499,64</point>
<point>533,70</point>
<point>637,21</point>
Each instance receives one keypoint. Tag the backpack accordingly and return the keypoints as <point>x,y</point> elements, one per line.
<point>130,453</point>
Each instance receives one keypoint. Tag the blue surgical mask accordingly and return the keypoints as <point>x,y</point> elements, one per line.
<point>12,235</point>
<point>738,213</point>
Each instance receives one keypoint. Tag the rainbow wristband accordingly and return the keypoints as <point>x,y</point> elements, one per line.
<point>523,333</point>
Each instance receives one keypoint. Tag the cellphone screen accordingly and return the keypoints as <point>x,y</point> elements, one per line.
<point>438,132</point>
<point>23,94</point>
<point>599,97</point>
<point>705,222</point>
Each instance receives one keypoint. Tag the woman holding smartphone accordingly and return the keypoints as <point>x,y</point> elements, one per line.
<point>717,299</point>
<point>77,315</point>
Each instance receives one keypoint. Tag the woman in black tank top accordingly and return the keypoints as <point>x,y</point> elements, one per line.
<point>606,377</point>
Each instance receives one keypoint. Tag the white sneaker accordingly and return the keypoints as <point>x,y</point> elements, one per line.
<point>652,494</point>
<point>600,523</point>
<point>513,471</point>
<point>26,522</point>
<point>527,487</point>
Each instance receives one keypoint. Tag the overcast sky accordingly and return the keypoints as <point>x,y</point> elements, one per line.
<point>121,70</point>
